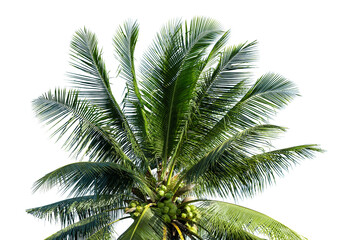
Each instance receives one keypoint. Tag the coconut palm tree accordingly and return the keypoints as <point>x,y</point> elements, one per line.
<point>191,126</point>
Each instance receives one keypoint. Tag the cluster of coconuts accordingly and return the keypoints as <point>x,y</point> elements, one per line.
<point>135,209</point>
<point>171,209</point>
<point>165,205</point>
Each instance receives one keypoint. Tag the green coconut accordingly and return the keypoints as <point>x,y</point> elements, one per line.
<point>170,205</point>
<point>166,218</point>
<point>157,210</point>
<point>161,204</point>
<point>139,209</point>
<point>165,209</point>
<point>161,193</point>
<point>169,195</point>
<point>172,211</point>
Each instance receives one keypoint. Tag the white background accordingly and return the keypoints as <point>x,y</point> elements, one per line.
<point>313,43</point>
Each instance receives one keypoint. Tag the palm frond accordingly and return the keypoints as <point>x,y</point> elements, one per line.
<point>217,92</point>
<point>159,64</point>
<point>94,85</point>
<point>84,178</point>
<point>226,221</point>
<point>213,55</point>
<point>147,226</point>
<point>170,73</point>
<point>124,41</point>
<point>70,210</point>
<point>236,175</point>
<point>84,228</point>
<point>93,80</point>
<point>201,35</point>
<point>104,233</point>
<point>87,129</point>
<point>233,67</point>
<point>270,93</point>
<point>257,105</point>
<point>247,141</point>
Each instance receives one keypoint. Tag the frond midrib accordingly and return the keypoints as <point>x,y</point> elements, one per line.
<point>115,105</point>
<point>205,33</point>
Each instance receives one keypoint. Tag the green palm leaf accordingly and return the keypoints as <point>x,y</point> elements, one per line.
<point>233,67</point>
<point>258,104</point>
<point>218,91</point>
<point>147,226</point>
<point>226,221</point>
<point>233,173</point>
<point>254,138</point>
<point>92,177</point>
<point>86,127</point>
<point>212,57</point>
<point>124,41</point>
<point>93,82</point>
<point>83,229</point>
<point>70,210</point>
<point>170,76</point>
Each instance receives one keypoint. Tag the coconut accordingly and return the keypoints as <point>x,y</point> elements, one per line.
<point>161,204</point>
<point>139,209</point>
<point>172,212</point>
<point>166,218</point>
<point>171,205</point>
<point>165,210</point>
<point>157,210</point>
<point>169,195</point>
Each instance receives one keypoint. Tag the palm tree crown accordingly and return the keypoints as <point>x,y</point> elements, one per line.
<point>190,126</point>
